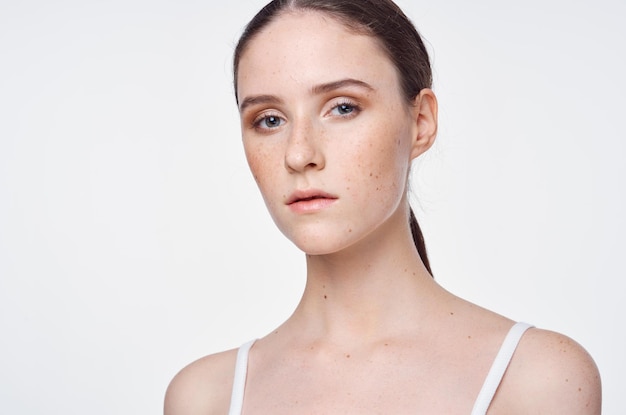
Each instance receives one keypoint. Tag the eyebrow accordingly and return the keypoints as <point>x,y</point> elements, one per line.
<point>316,90</point>
<point>331,86</point>
<point>259,99</point>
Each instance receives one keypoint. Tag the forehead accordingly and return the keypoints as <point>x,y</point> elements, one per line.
<point>306,48</point>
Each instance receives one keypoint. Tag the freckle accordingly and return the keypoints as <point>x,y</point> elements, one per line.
<point>451,313</point>
<point>349,230</point>
<point>348,356</point>
<point>371,174</point>
<point>469,337</point>
<point>386,344</point>
<point>579,389</point>
<point>567,380</point>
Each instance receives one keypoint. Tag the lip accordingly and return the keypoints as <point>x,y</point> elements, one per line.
<point>311,200</point>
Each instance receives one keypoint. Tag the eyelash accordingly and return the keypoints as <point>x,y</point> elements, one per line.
<point>354,110</point>
<point>256,123</point>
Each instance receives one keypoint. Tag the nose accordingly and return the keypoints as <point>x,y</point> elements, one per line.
<point>303,150</point>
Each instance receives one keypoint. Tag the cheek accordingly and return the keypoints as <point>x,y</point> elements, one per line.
<point>264,166</point>
<point>383,161</point>
<point>257,162</point>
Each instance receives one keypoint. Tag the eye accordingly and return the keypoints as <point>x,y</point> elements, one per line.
<point>268,122</point>
<point>344,109</point>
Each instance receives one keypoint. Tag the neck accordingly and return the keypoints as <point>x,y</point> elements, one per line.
<point>374,289</point>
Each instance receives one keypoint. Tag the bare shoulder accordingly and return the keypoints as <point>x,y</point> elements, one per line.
<point>203,387</point>
<point>549,373</point>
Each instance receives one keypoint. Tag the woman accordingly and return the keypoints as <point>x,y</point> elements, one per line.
<point>335,103</point>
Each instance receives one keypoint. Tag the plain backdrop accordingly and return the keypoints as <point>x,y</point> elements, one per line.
<point>133,239</point>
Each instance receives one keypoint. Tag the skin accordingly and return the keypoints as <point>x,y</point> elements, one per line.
<point>373,333</point>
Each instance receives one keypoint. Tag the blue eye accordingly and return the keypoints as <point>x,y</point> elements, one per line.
<point>271,121</point>
<point>268,122</point>
<point>345,109</point>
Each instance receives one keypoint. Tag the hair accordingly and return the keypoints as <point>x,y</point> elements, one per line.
<point>384,21</point>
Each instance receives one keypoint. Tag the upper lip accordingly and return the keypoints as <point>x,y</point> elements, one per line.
<point>308,194</point>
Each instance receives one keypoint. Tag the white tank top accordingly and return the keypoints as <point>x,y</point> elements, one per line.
<point>488,390</point>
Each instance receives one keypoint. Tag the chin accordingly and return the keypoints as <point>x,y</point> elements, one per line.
<point>316,246</point>
<point>325,242</point>
<point>318,250</point>
<point>323,236</point>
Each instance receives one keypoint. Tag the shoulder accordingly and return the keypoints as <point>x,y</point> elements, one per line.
<point>549,373</point>
<point>203,387</point>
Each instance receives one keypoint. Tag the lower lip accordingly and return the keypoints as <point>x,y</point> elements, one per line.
<point>311,206</point>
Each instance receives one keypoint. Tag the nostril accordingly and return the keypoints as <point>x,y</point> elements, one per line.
<point>303,150</point>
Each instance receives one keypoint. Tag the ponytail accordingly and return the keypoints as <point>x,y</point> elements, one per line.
<point>418,240</point>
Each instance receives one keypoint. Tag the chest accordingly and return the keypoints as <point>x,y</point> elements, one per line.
<point>398,383</point>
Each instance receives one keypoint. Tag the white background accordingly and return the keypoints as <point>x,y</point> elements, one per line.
<point>133,239</point>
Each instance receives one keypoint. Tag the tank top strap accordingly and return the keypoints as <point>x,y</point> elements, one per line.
<point>239,382</point>
<point>498,368</point>
<point>487,392</point>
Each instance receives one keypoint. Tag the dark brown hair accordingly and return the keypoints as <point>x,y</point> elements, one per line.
<point>384,21</point>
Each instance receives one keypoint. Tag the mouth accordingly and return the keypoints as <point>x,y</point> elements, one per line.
<point>308,195</point>
<point>309,201</point>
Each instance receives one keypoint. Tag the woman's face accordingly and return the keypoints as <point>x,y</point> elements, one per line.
<point>327,133</point>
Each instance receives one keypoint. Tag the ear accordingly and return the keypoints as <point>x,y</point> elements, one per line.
<point>425,122</point>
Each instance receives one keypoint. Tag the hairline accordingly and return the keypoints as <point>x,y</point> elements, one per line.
<point>351,25</point>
